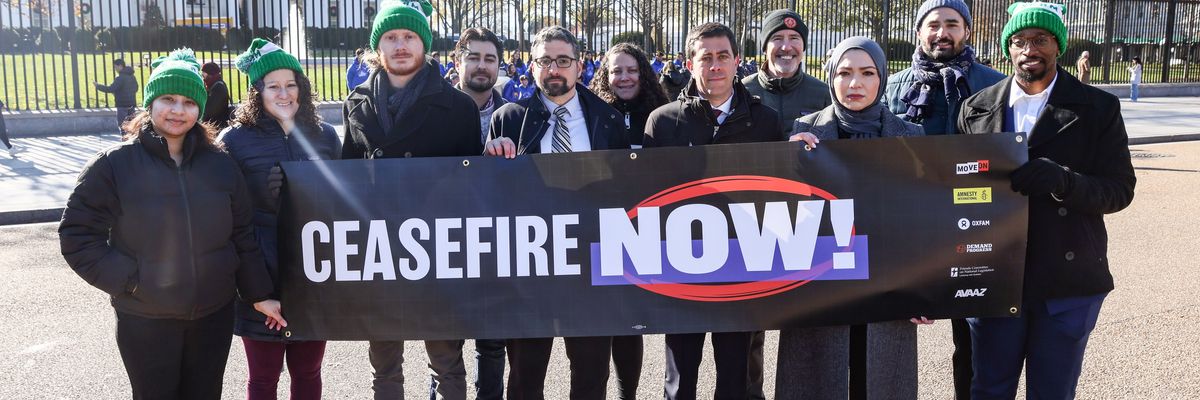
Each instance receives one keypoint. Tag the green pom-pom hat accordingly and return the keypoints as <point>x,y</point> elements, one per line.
<point>403,14</point>
<point>1048,16</point>
<point>176,73</point>
<point>263,57</point>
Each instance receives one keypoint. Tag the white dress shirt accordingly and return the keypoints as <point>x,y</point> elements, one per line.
<point>1027,108</point>
<point>576,125</point>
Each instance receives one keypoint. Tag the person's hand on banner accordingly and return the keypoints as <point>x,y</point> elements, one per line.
<point>922,321</point>
<point>501,146</point>
<point>808,138</point>
<point>274,184</point>
<point>1042,176</point>
<point>273,311</point>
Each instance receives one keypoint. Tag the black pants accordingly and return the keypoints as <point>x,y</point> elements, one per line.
<point>529,358</point>
<point>731,352</point>
<point>627,363</point>
<point>174,358</point>
<point>4,133</point>
<point>757,340</point>
<point>962,358</point>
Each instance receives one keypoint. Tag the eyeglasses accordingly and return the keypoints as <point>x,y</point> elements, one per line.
<point>1040,42</point>
<point>561,62</point>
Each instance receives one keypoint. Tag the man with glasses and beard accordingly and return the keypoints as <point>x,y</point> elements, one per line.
<point>944,72</point>
<point>1078,170</point>
<point>405,109</point>
<point>562,116</point>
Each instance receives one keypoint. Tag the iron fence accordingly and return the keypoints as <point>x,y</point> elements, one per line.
<point>52,50</point>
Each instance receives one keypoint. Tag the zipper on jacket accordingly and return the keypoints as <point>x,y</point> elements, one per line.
<point>287,145</point>
<point>187,212</point>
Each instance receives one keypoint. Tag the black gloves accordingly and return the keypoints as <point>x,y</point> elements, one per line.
<point>1043,176</point>
<point>274,183</point>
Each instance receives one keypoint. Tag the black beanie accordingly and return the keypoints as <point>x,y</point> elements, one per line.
<point>779,20</point>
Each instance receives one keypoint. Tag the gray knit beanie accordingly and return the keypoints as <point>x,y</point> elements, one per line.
<point>956,5</point>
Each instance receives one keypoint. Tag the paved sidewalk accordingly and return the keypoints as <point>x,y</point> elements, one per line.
<point>35,185</point>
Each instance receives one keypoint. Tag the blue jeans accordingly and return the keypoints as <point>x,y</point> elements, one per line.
<point>489,373</point>
<point>1133,91</point>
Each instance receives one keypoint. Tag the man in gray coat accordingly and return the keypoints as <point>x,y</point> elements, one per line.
<point>944,69</point>
<point>782,83</point>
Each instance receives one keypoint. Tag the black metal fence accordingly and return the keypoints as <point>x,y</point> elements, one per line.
<point>52,50</point>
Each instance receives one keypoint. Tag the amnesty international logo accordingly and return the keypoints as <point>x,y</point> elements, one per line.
<point>972,195</point>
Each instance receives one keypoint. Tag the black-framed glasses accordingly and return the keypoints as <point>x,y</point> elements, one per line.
<point>561,62</point>
<point>1039,42</point>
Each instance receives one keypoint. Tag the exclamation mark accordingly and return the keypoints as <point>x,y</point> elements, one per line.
<point>841,216</point>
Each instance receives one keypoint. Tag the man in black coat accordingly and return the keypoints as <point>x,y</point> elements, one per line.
<point>124,90</point>
<point>1079,169</point>
<point>782,83</point>
<point>713,109</point>
<point>405,109</point>
<point>561,117</point>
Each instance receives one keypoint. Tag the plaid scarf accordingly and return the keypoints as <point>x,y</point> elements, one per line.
<point>937,75</point>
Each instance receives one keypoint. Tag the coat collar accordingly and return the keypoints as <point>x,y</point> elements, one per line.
<point>985,112</point>
<point>594,112</point>
<point>430,96</point>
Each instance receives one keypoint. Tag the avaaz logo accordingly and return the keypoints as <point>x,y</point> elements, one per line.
<point>970,293</point>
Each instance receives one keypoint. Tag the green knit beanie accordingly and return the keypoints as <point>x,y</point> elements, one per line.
<point>263,57</point>
<point>403,14</point>
<point>176,73</point>
<point>1048,16</point>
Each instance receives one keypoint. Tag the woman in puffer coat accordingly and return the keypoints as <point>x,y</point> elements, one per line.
<point>276,122</point>
<point>162,223</point>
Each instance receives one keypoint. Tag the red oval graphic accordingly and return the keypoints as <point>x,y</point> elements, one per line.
<point>724,184</point>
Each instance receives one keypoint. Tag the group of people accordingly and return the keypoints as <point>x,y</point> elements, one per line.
<point>178,224</point>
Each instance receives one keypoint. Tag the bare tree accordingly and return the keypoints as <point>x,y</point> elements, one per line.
<point>456,15</point>
<point>588,15</point>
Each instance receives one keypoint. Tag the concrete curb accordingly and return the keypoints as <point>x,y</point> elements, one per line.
<point>19,217</point>
<point>1164,139</point>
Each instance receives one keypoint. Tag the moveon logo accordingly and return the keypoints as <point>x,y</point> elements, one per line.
<point>970,293</point>
<point>771,250</point>
<point>973,167</point>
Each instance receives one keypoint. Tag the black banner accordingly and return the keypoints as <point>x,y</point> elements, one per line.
<point>714,238</point>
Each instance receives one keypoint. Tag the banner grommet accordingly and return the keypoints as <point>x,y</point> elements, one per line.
<point>632,156</point>
<point>1012,310</point>
<point>466,163</point>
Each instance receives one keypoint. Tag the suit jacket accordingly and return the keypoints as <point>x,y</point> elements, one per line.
<point>443,122</point>
<point>1082,129</point>
<point>527,120</point>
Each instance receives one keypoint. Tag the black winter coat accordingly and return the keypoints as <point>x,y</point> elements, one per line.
<point>256,148</point>
<point>791,98</point>
<point>164,241</point>
<point>123,88</point>
<point>526,121</point>
<point>689,121</point>
<point>216,109</point>
<point>443,122</point>
<point>1082,129</point>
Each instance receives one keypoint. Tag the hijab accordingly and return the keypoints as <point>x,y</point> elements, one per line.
<point>867,122</point>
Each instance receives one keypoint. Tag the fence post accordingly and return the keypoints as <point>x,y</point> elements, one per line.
<point>1169,42</point>
<point>71,49</point>
<point>1106,59</point>
<point>684,25</point>
<point>562,13</point>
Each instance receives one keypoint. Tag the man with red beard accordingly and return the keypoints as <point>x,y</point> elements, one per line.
<point>405,109</point>
<point>782,83</point>
<point>1078,170</point>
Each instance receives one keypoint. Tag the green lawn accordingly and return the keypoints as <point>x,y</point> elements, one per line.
<point>45,81</point>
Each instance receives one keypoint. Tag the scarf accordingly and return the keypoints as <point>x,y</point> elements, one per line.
<point>396,102</point>
<point>937,75</point>
<point>779,85</point>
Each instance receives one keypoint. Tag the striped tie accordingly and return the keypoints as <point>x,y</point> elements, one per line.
<point>562,137</point>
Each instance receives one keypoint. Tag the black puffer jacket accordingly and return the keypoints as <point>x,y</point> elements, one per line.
<point>689,121</point>
<point>164,241</point>
<point>256,148</point>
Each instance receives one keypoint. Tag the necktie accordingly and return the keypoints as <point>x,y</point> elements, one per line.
<point>562,137</point>
<point>717,115</point>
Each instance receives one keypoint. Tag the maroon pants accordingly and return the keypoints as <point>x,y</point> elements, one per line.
<point>266,363</point>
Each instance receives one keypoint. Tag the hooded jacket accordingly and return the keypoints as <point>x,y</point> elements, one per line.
<point>124,88</point>
<point>689,121</point>
<point>164,241</point>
